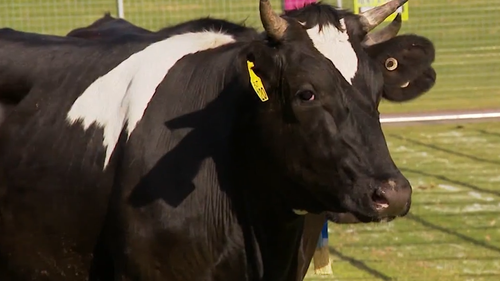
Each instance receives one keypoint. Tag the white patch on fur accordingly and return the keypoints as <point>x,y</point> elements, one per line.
<point>123,94</point>
<point>334,44</point>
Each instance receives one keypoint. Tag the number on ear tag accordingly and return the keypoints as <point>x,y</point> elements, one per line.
<point>257,83</point>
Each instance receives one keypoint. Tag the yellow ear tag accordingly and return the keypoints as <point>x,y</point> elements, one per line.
<point>257,83</point>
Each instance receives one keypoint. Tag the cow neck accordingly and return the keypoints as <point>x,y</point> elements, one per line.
<point>274,228</point>
<point>271,230</point>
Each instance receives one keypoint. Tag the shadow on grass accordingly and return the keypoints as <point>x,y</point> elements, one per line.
<point>361,265</point>
<point>471,186</point>
<point>472,157</point>
<point>481,275</point>
<point>451,232</point>
<point>484,132</point>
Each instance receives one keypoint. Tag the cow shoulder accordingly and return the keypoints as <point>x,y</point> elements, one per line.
<point>118,99</point>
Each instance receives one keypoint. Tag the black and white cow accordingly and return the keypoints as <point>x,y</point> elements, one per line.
<point>405,59</point>
<point>412,54</point>
<point>202,174</point>
<point>15,86</point>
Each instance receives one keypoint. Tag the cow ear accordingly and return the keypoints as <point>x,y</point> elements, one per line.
<point>260,64</point>
<point>411,89</point>
<point>405,59</point>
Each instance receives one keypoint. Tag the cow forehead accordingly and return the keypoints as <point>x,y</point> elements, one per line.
<point>334,44</point>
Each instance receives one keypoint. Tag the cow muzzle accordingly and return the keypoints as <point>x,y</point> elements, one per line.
<point>392,198</point>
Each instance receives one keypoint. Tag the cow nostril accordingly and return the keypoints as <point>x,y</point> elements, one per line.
<point>379,199</point>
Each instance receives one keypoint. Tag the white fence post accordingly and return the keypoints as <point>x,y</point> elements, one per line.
<point>119,7</point>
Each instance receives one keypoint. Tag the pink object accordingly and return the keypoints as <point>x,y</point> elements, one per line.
<point>295,4</point>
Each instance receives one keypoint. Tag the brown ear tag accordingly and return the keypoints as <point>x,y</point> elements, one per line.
<point>257,83</point>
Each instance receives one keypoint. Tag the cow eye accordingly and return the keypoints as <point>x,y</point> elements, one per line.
<point>306,95</point>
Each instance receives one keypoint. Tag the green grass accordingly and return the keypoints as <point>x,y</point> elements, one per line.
<point>453,230</point>
<point>465,34</point>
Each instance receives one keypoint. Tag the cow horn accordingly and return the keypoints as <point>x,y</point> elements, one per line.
<point>386,33</point>
<point>373,17</point>
<point>273,24</point>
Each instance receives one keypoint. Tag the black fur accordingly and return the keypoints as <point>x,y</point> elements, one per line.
<point>106,27</point>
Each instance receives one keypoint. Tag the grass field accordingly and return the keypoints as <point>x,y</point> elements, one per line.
<point>453,230</point>
<point>465,35</point>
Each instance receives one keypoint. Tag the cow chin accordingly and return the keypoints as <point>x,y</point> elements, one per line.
<point>350,218</point>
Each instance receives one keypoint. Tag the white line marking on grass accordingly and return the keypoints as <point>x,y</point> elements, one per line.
<point>450,134</point>
<point>403,148</point>
<point>478,195</point>
<point>449,187</point>
<point>480,207</point>
<point>495,179</point>
<point>439,117</point>
<point>472,208</point>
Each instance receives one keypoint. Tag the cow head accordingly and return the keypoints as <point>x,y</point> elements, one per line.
<point>321,124</point>
<point>405,61</point>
